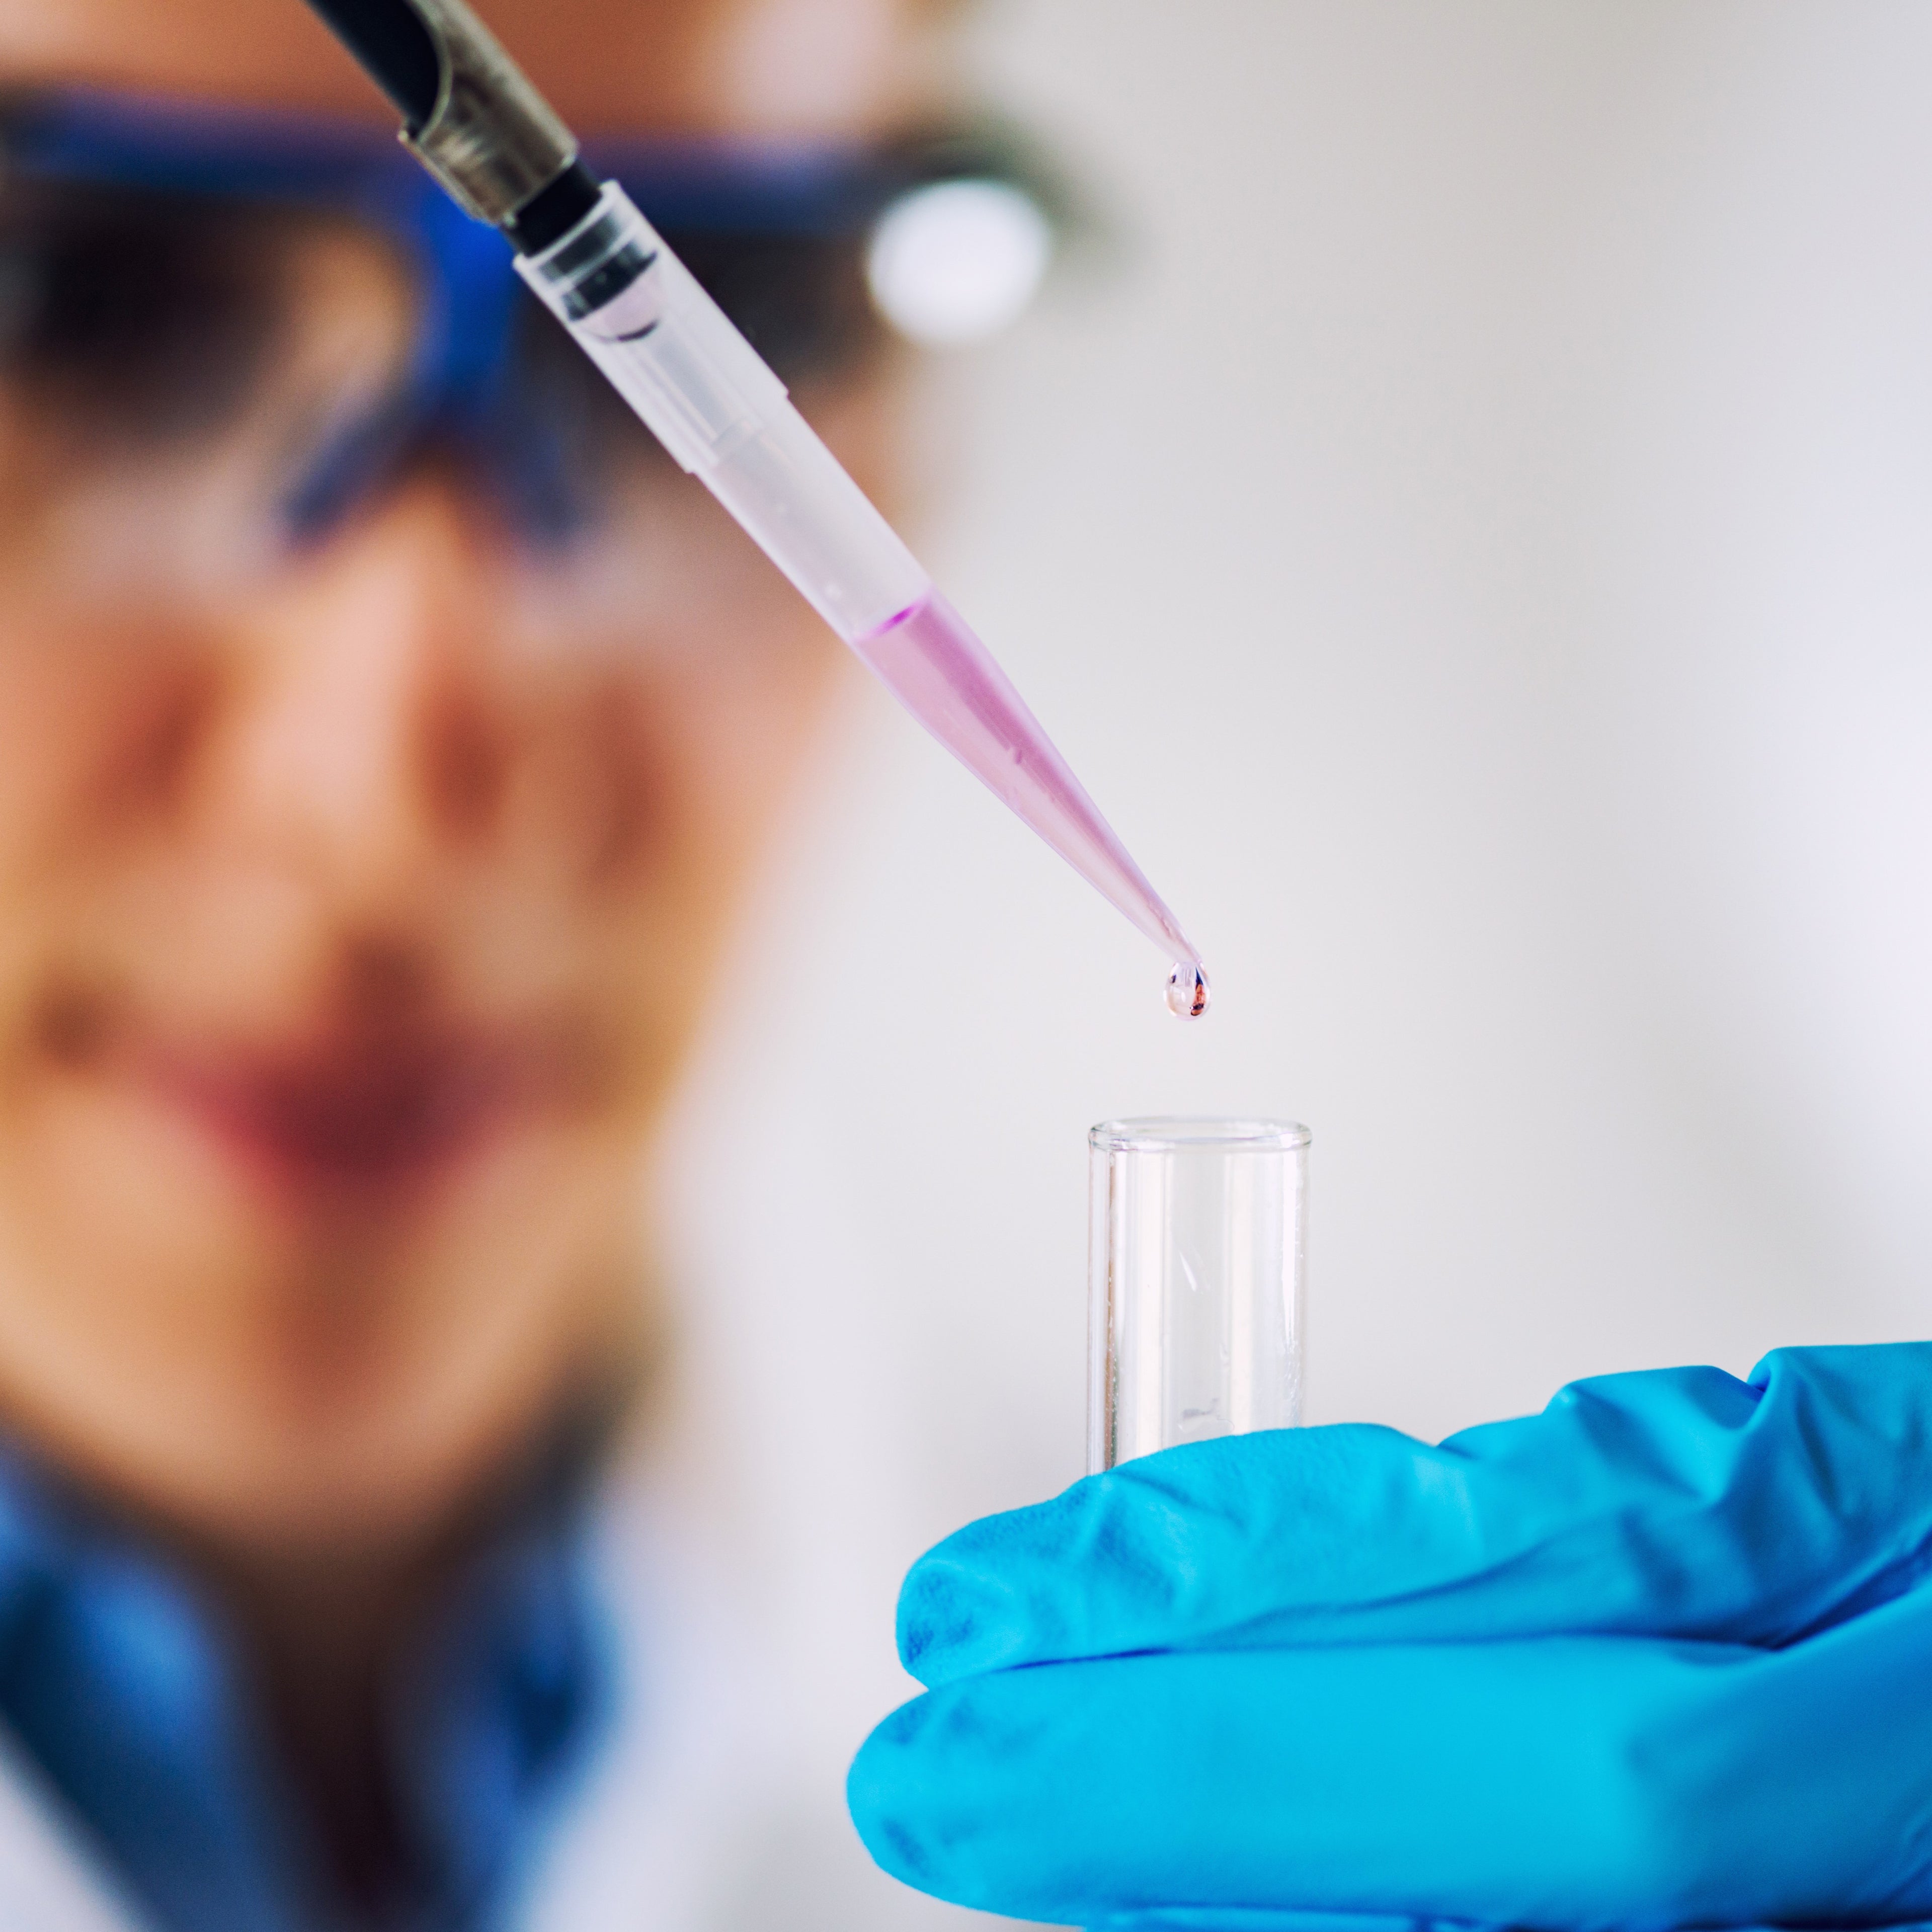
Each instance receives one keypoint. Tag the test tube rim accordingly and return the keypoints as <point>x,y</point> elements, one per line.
<point>1156,1133</point>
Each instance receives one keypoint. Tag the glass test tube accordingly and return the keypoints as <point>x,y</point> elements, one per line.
<point>1195,1264</point>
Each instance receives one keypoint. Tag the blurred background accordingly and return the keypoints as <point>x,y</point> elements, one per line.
<point>1468,529</point>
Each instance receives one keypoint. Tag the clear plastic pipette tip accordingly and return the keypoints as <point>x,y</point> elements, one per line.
<point>674,355</point>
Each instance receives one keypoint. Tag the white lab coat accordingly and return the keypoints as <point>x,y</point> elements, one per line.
<point>709,1806</point>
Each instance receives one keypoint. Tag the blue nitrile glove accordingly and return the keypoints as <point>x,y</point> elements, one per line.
<point>1661,1656</point>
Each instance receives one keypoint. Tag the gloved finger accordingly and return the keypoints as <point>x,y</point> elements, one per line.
<point>1231,1919</point>
<point>1227,1919</point>
<point>1680,1501</point>
<point>1584,1782</point>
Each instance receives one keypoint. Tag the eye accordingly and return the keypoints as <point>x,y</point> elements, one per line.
<point>801,301</point>
<point>131,317</point>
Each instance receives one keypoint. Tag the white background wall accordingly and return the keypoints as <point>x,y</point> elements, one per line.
<point>1476,541</point>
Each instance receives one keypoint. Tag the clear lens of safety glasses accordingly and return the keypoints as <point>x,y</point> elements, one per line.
<point>173,372</point>
<point>164,373</point>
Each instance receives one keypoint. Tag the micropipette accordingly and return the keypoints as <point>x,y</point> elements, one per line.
<point>499,149</point>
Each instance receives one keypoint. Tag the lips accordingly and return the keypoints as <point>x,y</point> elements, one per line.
<point>359,1115</point>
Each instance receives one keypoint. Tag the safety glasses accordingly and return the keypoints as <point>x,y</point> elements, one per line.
<point>222,333</point>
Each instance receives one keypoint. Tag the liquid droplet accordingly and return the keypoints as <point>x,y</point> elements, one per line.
<point>1187,991</point>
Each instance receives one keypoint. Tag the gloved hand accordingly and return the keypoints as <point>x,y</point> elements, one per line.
<point>1660,1656</point>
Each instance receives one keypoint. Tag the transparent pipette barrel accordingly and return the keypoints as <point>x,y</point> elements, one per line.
<point>1196,1260</point>
<point>704,390</point>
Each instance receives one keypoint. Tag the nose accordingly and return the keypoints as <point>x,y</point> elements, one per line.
<point>366,735</point>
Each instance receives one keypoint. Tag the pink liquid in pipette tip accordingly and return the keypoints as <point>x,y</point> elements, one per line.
<point>932,663</point>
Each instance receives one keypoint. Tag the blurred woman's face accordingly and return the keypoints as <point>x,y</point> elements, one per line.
<point>355,914</point>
